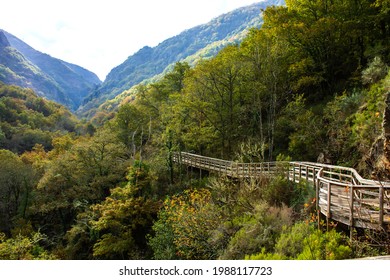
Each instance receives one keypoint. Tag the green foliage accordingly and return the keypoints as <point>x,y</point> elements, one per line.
<point>302,241</point>
<point>309,83</point>
<point>263,255</point>
<point>329,39</point>
<point>213,97</point>
<point>368,119</point>
<point>16,182</point>
<point>23,248</point>
<point>375,71</point>
<point>339,114</point>
<point>82,175</point>
<point>80,238</point>
<point>192,221</point>
<point>124,218</point>
<point>193,45</point>
<point>226,223</point>
<point>325,246</point>
<point>278,191</point>
<point>162,242</point>
<point>291,242</point>
<point>302,128</point>
<point>259,230</point>
<point>26,119</point>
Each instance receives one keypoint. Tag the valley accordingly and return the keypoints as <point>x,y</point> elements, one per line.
<point>308,82</point>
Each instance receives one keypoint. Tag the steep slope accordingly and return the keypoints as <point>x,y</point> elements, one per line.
<point>27,119</point>
<point>202,41</point>
<point>52,78</point>
<point>17,70</point>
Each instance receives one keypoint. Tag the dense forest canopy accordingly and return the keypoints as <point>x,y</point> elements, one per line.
<point>312,81</point>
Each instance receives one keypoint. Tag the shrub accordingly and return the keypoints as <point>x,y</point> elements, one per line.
<point>258,230</point>
<point>304,242</point>
<point>186,223</point>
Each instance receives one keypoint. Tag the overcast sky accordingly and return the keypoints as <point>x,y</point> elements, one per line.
<point>100,34</point>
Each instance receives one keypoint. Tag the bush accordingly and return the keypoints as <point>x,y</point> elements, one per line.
<point>185,226</point>
<point>330,245</point>
<point>163,240</point>
<point>259,230</point>
<point>304,242</point>
<point>23,247</point>
<point>278,191</point>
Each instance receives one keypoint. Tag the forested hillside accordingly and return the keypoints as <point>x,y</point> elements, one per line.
<point>311,83</point>
<point>200,42</point>
<point>27,120</point>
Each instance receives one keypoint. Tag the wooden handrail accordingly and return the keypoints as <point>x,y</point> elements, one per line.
<point>341,193</point>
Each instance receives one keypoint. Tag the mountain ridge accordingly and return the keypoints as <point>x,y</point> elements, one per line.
<point>151,61</point>
<point>52,78</point>
<point>81,90</point>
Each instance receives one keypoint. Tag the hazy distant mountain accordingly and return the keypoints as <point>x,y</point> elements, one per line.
<point>52,78</point>
<point>203,41</point>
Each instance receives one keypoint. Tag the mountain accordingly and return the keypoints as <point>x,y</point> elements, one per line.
<point>52,78</point>
<point>201,42</point>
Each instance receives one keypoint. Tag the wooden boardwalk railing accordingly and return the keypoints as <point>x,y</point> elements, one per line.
<point>341,193</point>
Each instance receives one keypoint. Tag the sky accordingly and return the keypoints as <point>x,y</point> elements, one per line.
<point>100,34</point>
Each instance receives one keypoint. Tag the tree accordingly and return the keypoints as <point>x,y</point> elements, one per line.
<point>125,217</point>
<point>16,182</point>
<point>131,124</point>
<point>329,40</point>
<point>189,221</point>
<point>24,248</point>
<point>268,80</point>
<point>303,129</point>
<point>81,176</point>
<point>213,97</point>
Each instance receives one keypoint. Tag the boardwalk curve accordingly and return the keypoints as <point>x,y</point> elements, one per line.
<point>341,193</point>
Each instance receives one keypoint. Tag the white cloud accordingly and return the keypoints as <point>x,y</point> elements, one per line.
<point>101,34</point>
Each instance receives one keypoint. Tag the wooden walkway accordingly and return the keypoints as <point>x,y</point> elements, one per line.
<point>341,193</point>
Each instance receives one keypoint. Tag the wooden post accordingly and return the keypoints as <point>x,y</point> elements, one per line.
<point>307,174</point>
<point>328,214</point>
<point>300,172</point>
<point>226,168</point>
<point>288,171</point>
<point>293,173</point>
<point>317,185</point>
<point>381,194</point>
<point>351,201</point>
